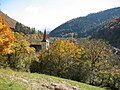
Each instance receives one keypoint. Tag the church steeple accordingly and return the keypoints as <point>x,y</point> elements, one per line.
<point>44,36</point>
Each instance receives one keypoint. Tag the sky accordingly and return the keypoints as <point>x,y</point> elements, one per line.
<point>50,14</point>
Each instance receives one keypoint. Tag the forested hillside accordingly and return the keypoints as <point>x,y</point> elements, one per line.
<point>84,26</point>
<point>109,32</point>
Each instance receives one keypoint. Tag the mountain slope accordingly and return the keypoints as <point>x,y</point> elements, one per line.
<point>11,80</point>
<point>84,26</point>
<point>9,20</point>
<point>109,32</point>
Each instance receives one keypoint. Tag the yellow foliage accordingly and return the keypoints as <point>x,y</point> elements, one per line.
<point>60,58</point>
<point>64,50</point>
<point>6,37</point>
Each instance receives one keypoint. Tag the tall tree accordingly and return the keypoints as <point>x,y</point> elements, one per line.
<point>6,37</point>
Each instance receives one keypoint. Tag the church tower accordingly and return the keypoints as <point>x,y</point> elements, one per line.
<point>45,40</point>
<point>44,36</point>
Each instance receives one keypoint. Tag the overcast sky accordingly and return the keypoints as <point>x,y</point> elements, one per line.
<point>52,13</point>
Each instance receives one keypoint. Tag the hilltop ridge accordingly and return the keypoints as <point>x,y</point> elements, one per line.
<point>85,26</point>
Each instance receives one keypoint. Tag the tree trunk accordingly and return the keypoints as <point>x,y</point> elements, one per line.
<point>9,59</point>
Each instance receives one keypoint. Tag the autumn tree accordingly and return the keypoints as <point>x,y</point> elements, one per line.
<point>100,64</point>
<point>6,37</point>
<point>23,54</point>
<point>58,60</point>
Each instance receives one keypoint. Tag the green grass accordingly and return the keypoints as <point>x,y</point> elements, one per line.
<point>12,80</point>
<point>6,84</point>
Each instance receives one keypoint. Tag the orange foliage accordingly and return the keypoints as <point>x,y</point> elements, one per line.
<point>6,37</point>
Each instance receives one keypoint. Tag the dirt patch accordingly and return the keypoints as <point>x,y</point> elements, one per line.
<point>19,79</point>
<point>59,86</point>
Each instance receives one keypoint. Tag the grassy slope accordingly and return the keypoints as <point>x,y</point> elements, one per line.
<point>11,80</point>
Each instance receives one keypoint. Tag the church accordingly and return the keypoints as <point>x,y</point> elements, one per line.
<point>45,43</point>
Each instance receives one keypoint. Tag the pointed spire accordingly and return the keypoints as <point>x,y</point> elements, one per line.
<point>44,36</point>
